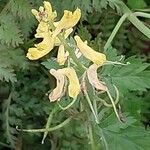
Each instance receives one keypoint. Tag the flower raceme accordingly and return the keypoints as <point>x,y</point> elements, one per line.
<point>49,30</point>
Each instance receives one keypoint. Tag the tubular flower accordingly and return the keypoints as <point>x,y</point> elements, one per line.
<point>68,20</point>
<point>93,78</point>
<point>61,55</point>
<point>88,52</point>
<point>47,44</point>
<point>58,91</point>
<point>45,13</point>
<point>42,48</point>
<point>73,88</point>
<point>41,30</point>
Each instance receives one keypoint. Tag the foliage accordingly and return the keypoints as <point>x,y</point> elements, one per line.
<point>24,85</point>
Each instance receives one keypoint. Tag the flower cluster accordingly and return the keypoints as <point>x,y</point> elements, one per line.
<point>54,33</point>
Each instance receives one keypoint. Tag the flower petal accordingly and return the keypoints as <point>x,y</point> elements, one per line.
<point>61,55</point>
<point>42,48</point>
<point>42,29</point>
<point>33,53</point>
<point>68,20</point>
<point>74,86</point>
<point>58,91</point>
<point>45,13</point>
<point>36,14</point>
<point>88,52</point>
<point>48,10</point>
<point>93,79</point>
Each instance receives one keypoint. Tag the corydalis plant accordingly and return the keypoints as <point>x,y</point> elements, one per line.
<point>55,33</point>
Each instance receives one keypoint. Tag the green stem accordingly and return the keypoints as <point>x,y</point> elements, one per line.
<point>91,137</point>
<point>69,105</point>
<point>114,32</point>
<point>115,63</point>
<point>48,123</point>
<point>95,103</point>
<point>139,25</point>
<point>113,104</point>
<point>91,106</point>
<point>104,140</point>
<point>48,129</point>
<point>143,10</point>
<point>134,20</point>
<point>142,14</point>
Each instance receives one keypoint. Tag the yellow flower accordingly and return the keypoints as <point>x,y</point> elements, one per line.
<point>61,55</point>
<point>68,20</point>
<point>42,48</point>
<point>42,29</point>
<point>49,32</point>
<point>88,52</point>
<point>57,93</point>
<point>74,86</point>
<point>48,10</point>
<point>45,13</point>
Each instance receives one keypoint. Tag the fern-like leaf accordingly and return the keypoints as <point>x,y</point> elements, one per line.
<point>10,33</point>
<point>132,77</point>
<point>7,74</point>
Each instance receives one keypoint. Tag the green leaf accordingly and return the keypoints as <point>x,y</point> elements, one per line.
<point>84,33</point>
<point>113,141</point>
<point>21,8</point>
<point>138,4</point>
<point>133,76</point>
<point>10,33</point>
<point>7,74</point>
<point>112,124</point>
<point>49,64</point>
<point>122,136</point>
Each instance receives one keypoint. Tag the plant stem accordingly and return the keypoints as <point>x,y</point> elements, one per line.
<point>104,140</point>
<point>91,106</point>
<point>139,25</point>
<point>134,20</point>
<point>114,106</point>
<point>142,14</point>
<point>91,137</point>
<point>48,129</point>
<point>69,105</point>
<point>110,39</point>
<point>48,123</point>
